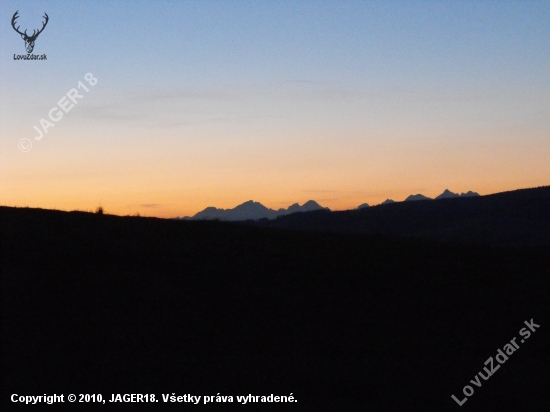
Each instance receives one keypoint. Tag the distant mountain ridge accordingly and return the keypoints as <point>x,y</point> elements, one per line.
<point>447,194</point>
<point>252,210</point>
<point>417,197</point>
<point>517,218</point>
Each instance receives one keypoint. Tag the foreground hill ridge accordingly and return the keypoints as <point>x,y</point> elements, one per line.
<point>517,218</point>
<point>251,210</point>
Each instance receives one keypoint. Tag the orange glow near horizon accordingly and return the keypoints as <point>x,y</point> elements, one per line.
<point>362,102</point>
<point>170,178</point>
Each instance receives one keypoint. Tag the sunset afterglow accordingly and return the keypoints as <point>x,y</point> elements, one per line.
<point>215,103</point>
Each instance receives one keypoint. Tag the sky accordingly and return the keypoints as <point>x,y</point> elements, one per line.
<point>213,103</point>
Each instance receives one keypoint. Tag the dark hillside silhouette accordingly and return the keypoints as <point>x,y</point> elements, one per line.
<point>519,218</point>
<point>346,322</point>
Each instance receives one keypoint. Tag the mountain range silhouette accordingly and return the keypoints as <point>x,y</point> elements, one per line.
<point>252,210</point>
<point>447,194</point>
<point>517,218</point>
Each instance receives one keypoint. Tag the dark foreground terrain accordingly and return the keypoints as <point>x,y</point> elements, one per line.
<point>344,322</point>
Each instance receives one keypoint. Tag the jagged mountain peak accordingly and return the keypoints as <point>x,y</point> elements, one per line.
<point>447,194</point>
<point>469,193</point>
<point>417,197</point>
<point>251,210</point>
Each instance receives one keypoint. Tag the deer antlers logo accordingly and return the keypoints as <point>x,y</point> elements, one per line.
<point>29,40</point>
